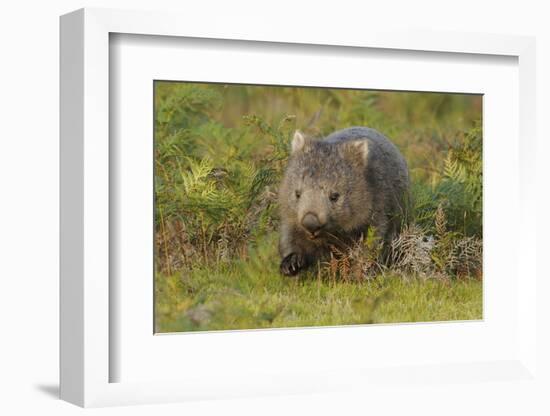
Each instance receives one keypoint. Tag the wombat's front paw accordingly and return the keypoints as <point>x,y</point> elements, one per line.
<point>292,264</point>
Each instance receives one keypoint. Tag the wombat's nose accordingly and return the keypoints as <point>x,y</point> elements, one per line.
<point>311,223</point>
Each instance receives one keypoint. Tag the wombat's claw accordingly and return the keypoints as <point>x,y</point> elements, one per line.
<point>292,264</point>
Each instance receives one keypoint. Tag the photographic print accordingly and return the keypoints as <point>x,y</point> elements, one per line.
<point>284,206</point>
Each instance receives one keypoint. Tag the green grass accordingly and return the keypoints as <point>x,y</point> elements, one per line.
<point>244,294</point>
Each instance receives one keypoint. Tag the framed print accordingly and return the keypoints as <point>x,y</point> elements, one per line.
<point>288,221</point>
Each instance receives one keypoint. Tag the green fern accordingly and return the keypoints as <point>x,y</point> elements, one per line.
<point>461,188</point>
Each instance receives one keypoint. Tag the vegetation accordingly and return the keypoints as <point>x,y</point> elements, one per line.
<point>220,151</point>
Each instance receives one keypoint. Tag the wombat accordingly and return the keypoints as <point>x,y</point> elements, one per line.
<point>334,189</point>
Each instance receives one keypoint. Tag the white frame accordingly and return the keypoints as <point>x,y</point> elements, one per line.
<point>85,192</point>
<point>136,61</point>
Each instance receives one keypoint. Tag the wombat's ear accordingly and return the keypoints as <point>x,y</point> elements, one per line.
<point>358,148</point>
<point>298,142</point>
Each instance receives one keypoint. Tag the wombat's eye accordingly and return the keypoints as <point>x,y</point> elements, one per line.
<point>298,193</point>
<point>334,196</point>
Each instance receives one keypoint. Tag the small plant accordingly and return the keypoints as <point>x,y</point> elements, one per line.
<point>411,252</point>
<point>358,262</point>
<point>453,253</point>
<point>462,184</point>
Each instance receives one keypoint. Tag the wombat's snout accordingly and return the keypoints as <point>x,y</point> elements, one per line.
<point>311,223</point>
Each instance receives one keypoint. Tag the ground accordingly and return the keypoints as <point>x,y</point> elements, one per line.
<point>251,293</point>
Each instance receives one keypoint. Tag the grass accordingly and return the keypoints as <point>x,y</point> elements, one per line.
<point>220,152</point>
<point>245,294</point>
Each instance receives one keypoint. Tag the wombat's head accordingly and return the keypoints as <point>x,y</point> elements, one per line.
<point>324,190</point>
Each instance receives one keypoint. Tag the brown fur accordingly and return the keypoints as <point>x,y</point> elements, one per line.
<point>335,189</point>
